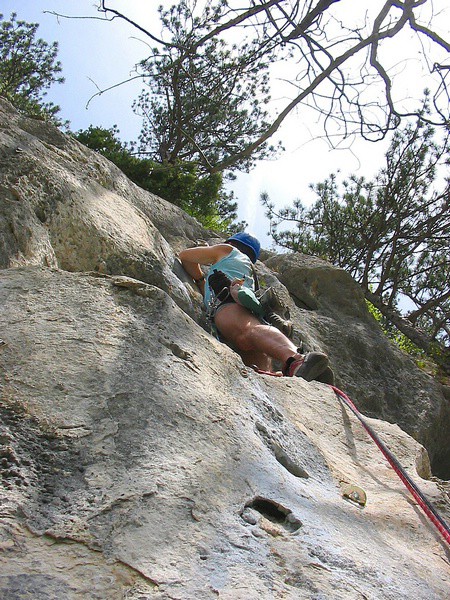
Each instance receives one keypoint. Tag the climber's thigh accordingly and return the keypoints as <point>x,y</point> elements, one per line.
<point>235,323</point>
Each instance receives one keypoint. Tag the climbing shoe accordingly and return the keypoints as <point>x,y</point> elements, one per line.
<point>283,325</point>
<point>218,281</point>
<point>308,366</point>
<point>326,377</point>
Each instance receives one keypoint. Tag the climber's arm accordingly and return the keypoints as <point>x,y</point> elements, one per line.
<point>192,258</point>
<point>205,255</point>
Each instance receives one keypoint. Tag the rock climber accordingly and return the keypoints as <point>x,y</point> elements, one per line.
<point>231,304</point>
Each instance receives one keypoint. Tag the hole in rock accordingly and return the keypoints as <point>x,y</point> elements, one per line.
<point>285,461</point>
<point>282,457</point>
<point>275,512</point>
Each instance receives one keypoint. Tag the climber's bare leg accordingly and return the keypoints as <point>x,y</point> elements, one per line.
<point>259,359</point>
<point>254,340</point>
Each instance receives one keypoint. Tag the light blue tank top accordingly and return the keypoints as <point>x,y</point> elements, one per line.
<point>237,266</point>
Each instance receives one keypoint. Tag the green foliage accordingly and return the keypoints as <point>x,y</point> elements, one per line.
<point>206,77</point>
<point>202,105</point>
<point>391,234</point>
<point>201,196</point>
<point>427,361</point>
<point>396,336</point>
<point>28,67</point>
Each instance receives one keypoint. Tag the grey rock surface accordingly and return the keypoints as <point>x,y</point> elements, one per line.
<point>66,206</point>
<point>135,439</point>
<point>330,312</point>
<point>140,459</point>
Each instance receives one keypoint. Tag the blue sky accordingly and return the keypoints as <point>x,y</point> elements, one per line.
<point>93,53</point>
<point>96,54</point>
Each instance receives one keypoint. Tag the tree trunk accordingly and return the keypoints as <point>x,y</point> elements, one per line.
<point>435,350</point>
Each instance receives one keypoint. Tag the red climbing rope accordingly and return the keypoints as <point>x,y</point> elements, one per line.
<point>262,372</point>
<point>418,495</point>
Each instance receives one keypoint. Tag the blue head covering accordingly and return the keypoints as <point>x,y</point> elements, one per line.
<point>249,241</point>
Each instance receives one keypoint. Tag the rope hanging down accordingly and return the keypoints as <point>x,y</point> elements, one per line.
<point>422,500</point>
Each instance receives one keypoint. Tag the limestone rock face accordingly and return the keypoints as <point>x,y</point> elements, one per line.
<point>330,313</point>
<point>135,440</point>
<point>66,206</point>
<point>139,458</point>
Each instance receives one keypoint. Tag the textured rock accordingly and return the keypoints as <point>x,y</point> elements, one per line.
<point>330,312</point>
<point>137,447</point>
<point>140,459</point>
<point>66,206</point>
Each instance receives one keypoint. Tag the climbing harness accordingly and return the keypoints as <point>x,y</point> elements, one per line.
<point>224,290</point>
<point>217,300</point>
<point>259,301</point>
<point>417,494</point>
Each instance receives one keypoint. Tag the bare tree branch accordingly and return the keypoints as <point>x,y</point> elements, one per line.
<point>322,47</point>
